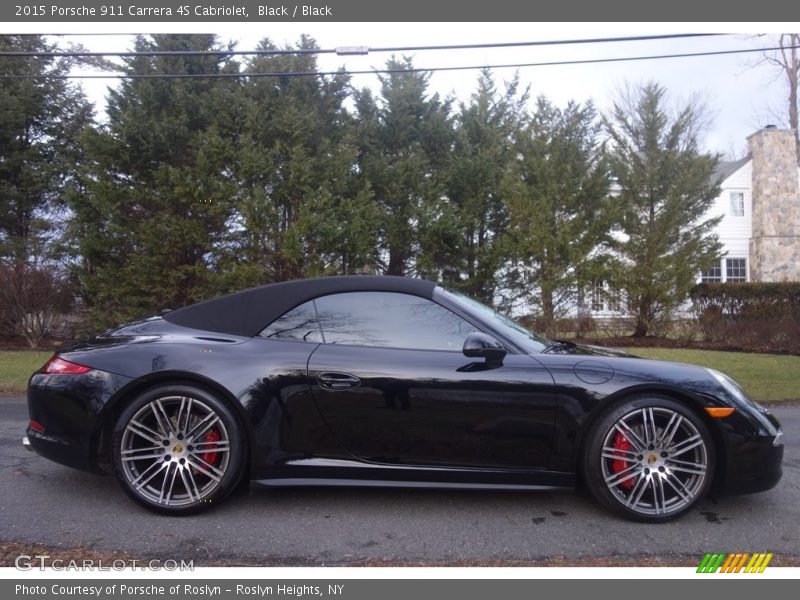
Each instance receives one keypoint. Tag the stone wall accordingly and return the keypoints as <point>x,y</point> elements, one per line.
<point>775,245</point>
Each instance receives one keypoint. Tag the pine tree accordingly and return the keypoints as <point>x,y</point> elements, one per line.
<point>302,209</point>
<point>40,152</point>
<point>559,213</point>
<point>406,139</point>
<point>665,189</point>
<point>42,118</point>
<point>160,191</point>
<point>484,136</point>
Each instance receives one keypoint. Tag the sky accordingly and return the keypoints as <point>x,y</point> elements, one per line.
<point>740,94</point>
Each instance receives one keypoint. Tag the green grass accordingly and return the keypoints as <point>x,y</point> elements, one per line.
<point>765,377</point>
<point>16,367</point>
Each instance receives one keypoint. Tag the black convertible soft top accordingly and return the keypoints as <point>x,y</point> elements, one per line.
<point>246,313</point>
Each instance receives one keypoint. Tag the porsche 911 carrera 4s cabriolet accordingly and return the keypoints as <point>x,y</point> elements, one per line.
<point>394,382</point>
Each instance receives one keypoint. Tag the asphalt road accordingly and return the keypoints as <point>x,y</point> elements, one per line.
<point>53,506</point>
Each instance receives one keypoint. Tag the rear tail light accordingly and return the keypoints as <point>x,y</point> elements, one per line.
<point>36,426</point>
<point>58,366</point>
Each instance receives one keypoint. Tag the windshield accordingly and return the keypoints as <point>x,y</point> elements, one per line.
<point>530,341</point>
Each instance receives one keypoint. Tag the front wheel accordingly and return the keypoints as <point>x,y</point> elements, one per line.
<point>650,458</point>
<point>177,450</point>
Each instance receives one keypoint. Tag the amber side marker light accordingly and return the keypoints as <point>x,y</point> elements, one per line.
<point>716,412</point>
<point>59,366</point>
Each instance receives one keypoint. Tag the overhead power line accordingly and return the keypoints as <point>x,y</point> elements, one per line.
<point>244,74</point>
<point>85,34</point>
<point>346,50</point>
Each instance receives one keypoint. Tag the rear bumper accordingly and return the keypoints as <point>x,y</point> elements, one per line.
<point>60,451</point>
<point>71,410</point>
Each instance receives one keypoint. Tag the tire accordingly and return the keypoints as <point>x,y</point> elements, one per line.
<point>649,459</point>
<point>177,449</point>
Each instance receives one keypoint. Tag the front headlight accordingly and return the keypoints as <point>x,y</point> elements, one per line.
<point>734,389</point>
<point>738,395</point>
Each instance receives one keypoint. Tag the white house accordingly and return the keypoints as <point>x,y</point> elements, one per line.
<point>760,227</point>
<point>760,208</point>
<point>759,203</point>
<point>735,205</point>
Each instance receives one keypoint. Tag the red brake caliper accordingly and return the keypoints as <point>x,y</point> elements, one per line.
<point>618,465</point>
<point>211,457</point>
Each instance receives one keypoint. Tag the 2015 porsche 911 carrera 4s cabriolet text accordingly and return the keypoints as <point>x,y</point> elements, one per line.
<point>389,381</point>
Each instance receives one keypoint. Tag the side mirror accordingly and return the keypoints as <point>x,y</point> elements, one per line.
<point>480,345</point>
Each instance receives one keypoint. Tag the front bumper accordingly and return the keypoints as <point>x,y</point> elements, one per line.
<point>756,467</point>
<point>754,452</point>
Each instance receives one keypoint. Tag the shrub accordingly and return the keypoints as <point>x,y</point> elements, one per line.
<point>34,300</point>
<point>760,317</point>
<point>749,300</point>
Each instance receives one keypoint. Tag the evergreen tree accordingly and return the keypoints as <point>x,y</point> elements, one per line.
<point>486,129</point>
<point>406,139</point>
<point>160,190</point>
<point>302,210</point>
<point>40,152</point>
<point>559,214</point>
<point>42,117</point>
<point>665,188</point>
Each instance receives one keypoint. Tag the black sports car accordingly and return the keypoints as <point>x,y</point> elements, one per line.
<point>393,382</point>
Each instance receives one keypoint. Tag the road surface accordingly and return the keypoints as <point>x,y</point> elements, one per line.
<point>51,506</point>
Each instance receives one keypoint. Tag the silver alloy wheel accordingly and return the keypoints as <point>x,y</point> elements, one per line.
<point>654,461</point>
<point>175,451</point>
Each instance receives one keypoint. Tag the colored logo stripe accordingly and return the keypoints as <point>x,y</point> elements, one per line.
<point>734,563</point>
<point>711,563</point>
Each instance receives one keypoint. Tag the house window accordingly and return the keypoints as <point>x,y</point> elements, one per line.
<point>597,295</point>
<point>737,204</point>
<point>614,300</point>
<point>735,270</point>
<point>713,274</point>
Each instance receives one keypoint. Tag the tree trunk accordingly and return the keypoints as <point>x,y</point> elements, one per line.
<point>642,319</point>
<point>641,328</point>
<point>396,264</point>
<point>548,310</point>
<point>547,314</point>
<point>793,74</point>
<point>790,64</point>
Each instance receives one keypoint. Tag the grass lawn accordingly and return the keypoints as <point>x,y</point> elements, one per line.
<point>16,367</point>
<point>765,377</point>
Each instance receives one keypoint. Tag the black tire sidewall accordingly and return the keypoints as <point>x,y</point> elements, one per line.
<point>234,429</point>
<point>593,475</point>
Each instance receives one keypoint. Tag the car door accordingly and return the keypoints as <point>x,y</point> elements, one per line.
<point>392,383</point>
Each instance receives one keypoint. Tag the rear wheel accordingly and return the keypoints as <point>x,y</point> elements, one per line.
<point>650,458</point>
<point>177,449</point>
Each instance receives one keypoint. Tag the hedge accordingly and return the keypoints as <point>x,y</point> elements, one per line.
<point>739,301</point>
<point>763,317</point>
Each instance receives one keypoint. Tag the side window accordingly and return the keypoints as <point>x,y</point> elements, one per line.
<point>390,320</point>
<point>299,324</point>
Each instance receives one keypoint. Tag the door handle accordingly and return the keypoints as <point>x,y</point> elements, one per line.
<point>337,381</point>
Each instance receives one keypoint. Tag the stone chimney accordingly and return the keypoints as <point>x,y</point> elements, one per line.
<point>775,241</point>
